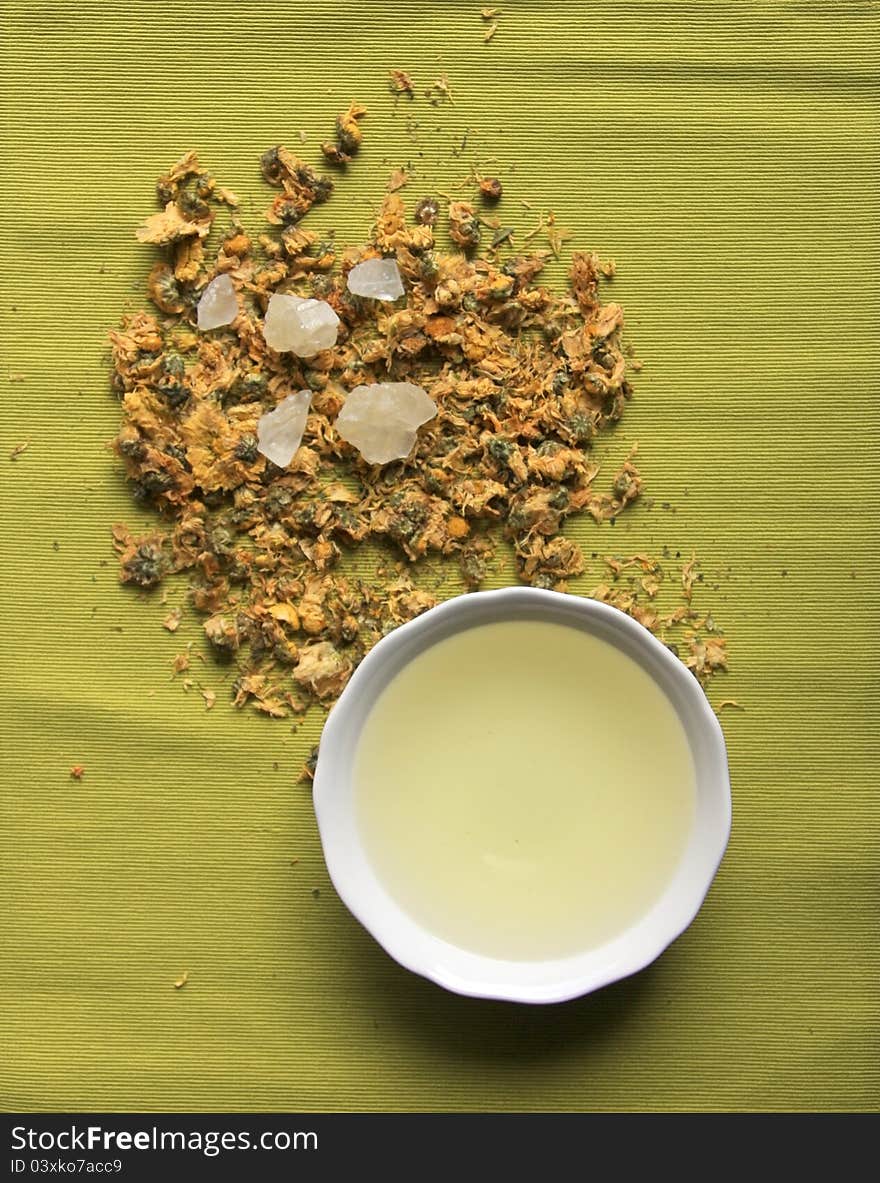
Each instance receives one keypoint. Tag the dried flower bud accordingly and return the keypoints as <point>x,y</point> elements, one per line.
<point>348,130</point>
<point>464,228</point>
<point>426,211</point>
<point>146,567</point>
<point>334,153</point>
<point>490,188</point>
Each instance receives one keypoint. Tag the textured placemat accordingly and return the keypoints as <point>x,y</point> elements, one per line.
<point>725,155</point>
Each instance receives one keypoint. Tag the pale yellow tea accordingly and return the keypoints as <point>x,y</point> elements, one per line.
<point>524,790</point>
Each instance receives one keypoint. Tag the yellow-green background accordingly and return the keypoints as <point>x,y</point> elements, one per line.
<point>725,154</point>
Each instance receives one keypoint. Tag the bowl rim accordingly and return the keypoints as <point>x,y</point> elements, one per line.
<point>472,974</point>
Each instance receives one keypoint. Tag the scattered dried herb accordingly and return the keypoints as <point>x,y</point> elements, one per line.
<point>401,83</point>
<point>397,180</point>
<point>440,92</point>
<point>524,379</point>
<point>491,188</point>
<point>348,136</point>
<point>172,620</point>
<point>464,225</point>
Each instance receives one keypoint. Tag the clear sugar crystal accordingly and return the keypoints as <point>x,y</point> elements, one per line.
<point>303,327</point>
<point>218,305</point>
<point>280,432</point>
<point>379,279</point>
<point>381,420</point>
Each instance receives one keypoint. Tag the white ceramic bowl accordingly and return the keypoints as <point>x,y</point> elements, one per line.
<point>464,971</point>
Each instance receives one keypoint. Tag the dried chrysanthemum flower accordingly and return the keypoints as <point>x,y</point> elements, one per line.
<point>142,560</point>
<point>348,136</point>
<point>490,188</point>
<point>464,225</point>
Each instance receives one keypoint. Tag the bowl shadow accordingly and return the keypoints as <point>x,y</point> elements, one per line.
<point>483,1029</point>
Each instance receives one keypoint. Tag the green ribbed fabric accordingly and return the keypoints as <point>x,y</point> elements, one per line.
<point>725,154</point>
